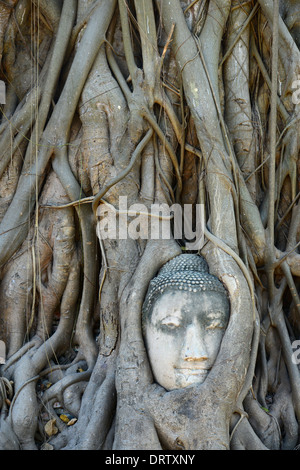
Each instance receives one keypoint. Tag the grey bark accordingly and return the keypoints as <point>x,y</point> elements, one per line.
<point>161,101</point>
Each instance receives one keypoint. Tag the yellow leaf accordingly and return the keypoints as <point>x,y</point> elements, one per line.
<point>64,418</point>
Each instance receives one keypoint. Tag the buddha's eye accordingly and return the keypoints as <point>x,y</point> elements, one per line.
<point>216,325</point>
<point>170,323</point>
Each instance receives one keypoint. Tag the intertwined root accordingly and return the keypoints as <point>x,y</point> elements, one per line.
<point>162,102</point>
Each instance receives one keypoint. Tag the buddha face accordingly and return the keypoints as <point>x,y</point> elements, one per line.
<point>183,336</point>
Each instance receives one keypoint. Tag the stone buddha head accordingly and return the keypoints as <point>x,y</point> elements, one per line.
<point>184,317</point>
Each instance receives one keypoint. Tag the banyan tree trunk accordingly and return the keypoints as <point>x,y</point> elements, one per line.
<point>146,102</point>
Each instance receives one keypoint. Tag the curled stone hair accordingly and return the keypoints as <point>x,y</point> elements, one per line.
<point>186,272</point>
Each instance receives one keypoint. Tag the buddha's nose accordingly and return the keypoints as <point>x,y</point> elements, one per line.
<point>194,347</point>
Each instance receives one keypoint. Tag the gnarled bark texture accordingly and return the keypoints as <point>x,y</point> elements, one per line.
<point>188,102</point>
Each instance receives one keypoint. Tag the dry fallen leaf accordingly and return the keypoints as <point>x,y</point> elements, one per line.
<point>50,427</point>
<point>72,421</point>
<point>47,446</point>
